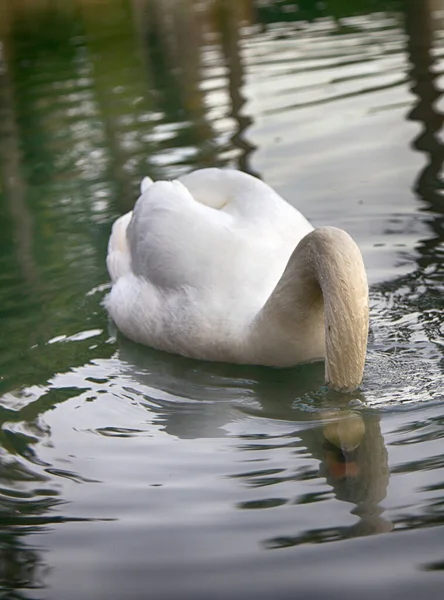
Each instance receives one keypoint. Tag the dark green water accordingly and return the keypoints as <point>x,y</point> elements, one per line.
<point>128,473</point>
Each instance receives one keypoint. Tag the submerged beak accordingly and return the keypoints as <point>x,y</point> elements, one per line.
<point>340,465</point>
<point>343,432</point>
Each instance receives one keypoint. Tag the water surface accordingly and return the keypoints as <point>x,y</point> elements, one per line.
<point>129,473</point>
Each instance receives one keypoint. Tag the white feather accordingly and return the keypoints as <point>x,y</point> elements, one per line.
<point>145,184</point>
<point>196,262</point>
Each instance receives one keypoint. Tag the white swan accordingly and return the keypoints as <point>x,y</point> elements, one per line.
<point>217,266</point>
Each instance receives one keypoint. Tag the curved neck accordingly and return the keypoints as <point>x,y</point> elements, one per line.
<point>319,308</point>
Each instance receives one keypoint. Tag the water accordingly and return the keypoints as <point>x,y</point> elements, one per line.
<point>126,472</point>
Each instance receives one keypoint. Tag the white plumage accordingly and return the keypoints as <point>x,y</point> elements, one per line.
<point>197,269</point>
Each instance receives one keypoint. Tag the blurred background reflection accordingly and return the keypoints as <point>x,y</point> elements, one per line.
<point>124,469</point>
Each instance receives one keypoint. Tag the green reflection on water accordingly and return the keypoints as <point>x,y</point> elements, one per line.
<point>92,99</point>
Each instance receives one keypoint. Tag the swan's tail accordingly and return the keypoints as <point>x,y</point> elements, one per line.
<point>118,259</point>
<point>145,184</point>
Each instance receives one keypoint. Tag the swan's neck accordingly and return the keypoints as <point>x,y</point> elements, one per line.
<point>319,308</point>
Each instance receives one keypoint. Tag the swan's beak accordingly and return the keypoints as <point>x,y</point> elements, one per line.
<point>340,465</point>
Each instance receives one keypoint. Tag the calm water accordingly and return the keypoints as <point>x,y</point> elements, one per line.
<point>128,473</point>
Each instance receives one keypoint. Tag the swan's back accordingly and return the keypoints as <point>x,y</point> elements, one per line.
<point>212,227</point>
<point>202,256</point>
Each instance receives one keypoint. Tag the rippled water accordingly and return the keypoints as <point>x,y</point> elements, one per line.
<point>129,473</point>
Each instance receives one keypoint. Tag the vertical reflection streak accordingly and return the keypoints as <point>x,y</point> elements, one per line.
<point>11,160</point>
<point>229,23</point>
<point>428,186</point>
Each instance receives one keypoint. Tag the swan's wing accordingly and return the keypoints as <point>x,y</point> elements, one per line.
<point>217,230</point>
<point>175,241</point>
<point>230,190</point>
<point>252,203</point>
<point>241,195</point>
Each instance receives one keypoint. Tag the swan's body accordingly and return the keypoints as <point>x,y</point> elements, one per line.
<point>206,267</point>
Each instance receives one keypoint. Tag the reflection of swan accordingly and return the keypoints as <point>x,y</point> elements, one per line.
<point>207,267</point>
<point>252,405</point>
<point>343,430</point>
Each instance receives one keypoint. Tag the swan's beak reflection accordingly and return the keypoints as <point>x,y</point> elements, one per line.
<point>340,464</point>
<point>343,433</point>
